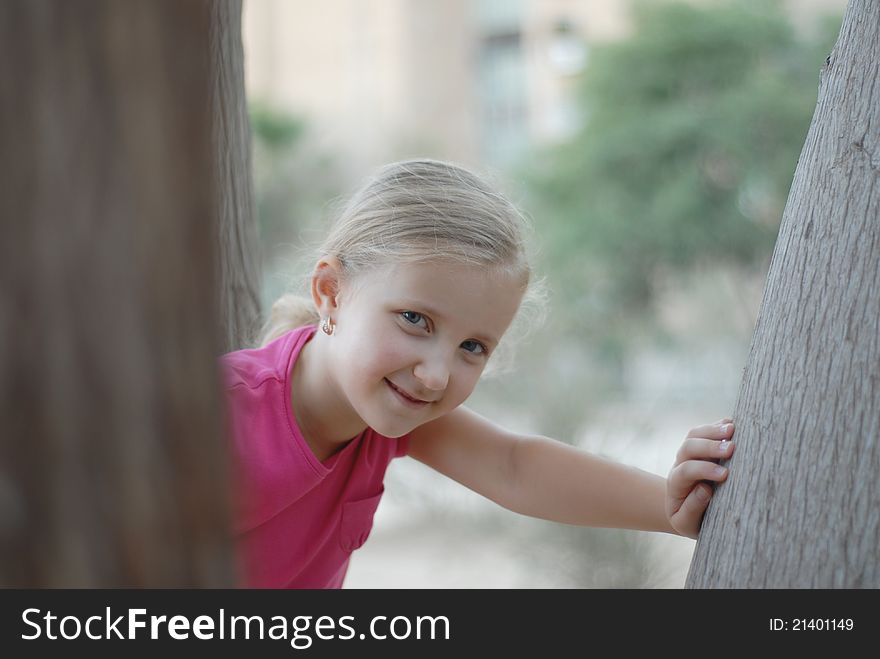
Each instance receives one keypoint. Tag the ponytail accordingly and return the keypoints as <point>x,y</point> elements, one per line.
<point>287,313</point>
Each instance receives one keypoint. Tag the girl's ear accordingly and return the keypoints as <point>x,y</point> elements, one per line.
<point>326,280</point>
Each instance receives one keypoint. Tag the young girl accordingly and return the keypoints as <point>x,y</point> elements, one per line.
<point>413,291</point>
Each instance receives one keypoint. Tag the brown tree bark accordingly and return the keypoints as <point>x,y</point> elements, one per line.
<point>238,263</point>
<point>800,508</point>
<point>112,459</point>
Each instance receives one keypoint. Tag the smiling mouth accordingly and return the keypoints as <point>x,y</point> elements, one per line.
<point>404,395</point>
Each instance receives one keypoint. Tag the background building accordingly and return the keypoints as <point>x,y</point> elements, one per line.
<point>472,81</point>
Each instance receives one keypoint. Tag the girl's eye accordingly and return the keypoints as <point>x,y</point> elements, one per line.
<point>474,347</point>
<point>413,317</point>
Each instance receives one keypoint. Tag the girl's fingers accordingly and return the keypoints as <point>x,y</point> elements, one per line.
<point>720,430</point>
<point>694,506</point>
<point>683,477</point>
<point>696,448</point>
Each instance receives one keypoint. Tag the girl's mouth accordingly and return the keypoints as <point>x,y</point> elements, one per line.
<point>404,397</point>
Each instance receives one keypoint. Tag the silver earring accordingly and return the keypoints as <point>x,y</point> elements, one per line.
<point>327,327</point>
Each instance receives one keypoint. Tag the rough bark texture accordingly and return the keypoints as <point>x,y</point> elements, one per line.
<point>238,248</point>
<point>112,459</point>
<point>801,508</point>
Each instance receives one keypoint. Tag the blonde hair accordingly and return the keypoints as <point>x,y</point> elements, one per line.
<point>416,211</point>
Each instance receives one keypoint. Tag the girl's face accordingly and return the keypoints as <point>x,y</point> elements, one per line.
<point>412,340</point>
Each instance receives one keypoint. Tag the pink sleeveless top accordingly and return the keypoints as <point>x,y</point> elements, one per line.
<point>297,519</point>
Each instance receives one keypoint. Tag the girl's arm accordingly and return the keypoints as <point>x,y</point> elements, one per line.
<point>545,478</point>
<point>558,482</point>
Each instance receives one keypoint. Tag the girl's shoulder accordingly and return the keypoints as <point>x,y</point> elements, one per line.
<point>254,366</point>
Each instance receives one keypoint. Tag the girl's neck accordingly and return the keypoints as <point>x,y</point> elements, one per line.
<point>325,419</point>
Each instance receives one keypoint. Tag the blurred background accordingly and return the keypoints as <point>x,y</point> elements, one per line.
<point>651,143</point>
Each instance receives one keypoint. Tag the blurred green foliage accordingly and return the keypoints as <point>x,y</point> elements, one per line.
<point>691,130</point>
<point>273,128</point>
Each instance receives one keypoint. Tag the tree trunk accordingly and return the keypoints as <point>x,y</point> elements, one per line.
<point>801,508</point>
<point>238,248</point>
<point>112,459</point>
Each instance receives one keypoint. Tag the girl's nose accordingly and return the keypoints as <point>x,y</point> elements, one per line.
<point>433,375</point>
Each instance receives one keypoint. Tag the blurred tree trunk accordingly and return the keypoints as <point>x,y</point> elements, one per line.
<point>112,461</point>
<point>238,248</point>
<point>800,509</point>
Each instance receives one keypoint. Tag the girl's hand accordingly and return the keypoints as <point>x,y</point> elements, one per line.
<point>687,492</point>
